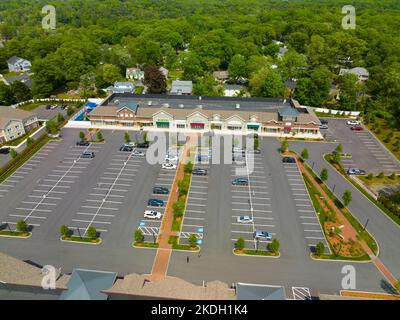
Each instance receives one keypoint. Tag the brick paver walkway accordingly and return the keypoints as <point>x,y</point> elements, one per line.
<point>164,251</point>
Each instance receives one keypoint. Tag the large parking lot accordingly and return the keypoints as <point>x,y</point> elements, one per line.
<point>367,152</point>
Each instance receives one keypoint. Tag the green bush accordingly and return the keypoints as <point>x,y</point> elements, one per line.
<point>188,167</point>
<point>381,175</point>
<point>127,138</point>
<point>64,230</point>
<point>13,153</point>
<point>81,135</point>
<point>178,208</point>
<point>29,141</point>
<point>304,154</point>
<point>240,243</point>
<point>324,174</point>
<point>284,146</point>
<point>70,111</point>
<point>273,246</point>
<point>99,136</point>
<point>347,197</point>
<point>370,176</point>
<point>60,118</point>
<point>192,240</point>
<point>138,236</point>
<point>22,226</point>
<point>320,248</point>
<point>393,176</point>
<point>92,233</point>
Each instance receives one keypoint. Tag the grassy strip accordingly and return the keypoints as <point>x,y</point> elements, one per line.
<point>330,115</point>
<point>392,216</point>
<point>253,252</point>
<point>362,234</point>
<point>145,244</point>
<point>377,180</point>
<point>21,234</point>
<point>333,256</point>
<point>80,239</point>
<point>177,246</point>
<point>22,157</point>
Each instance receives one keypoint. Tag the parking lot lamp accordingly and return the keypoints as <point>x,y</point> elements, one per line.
<point>79,231</point>
<point>154,237</point>
<point>365,226</point>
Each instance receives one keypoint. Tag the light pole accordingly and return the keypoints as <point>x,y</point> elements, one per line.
<point>365,226</point>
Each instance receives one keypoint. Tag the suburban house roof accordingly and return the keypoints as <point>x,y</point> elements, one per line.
<point>14,60</point>
<point>184,87</point>
<point>359,71</point>
<point>221,75</point>
<point>7,114</point>
<point>288,112</point>
<point>24,78</point>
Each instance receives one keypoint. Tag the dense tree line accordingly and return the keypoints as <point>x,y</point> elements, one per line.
<point>95,41</point>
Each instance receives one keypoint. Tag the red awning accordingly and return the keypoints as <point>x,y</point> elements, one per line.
<point>197,124</point>
<point>287,128</point>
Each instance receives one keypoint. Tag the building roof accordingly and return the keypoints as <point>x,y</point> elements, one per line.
<point>171,288</point>
<point>184,87</point>
<point>14,59</point>
<point>105,111</point>
<point>247,291</point>
<point>88,285</point>
<point>7,114</point>
<point>124,85</point>
<point>232,87</point>
<point>221,75</point>
<point>288,112</point>
<point>359,71</point>
<point>15,271</point>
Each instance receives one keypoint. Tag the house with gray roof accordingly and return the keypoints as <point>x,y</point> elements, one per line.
<point>361,73</point>
<point>17,64</point>
<point>180,87</point>
<point>121,87</point>
<point>14,123</point>
<point>134,74</point>
<point>24,78</point>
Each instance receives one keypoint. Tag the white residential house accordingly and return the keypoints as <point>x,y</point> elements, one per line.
<point>121,87</point>
<point>14,123</point>
<point>180,87</point>
<point>17,64</point>
<point>231,90</point>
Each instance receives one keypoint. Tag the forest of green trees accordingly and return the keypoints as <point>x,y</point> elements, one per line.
<point>96,40</point>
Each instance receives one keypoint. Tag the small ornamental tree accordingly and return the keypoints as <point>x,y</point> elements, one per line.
<point>64,230</point>
<point>324,175</point>
<point>60,118</point>
<point>81,135</point>
<point>339,149</point>
<point>13,153</point>
<point>99,136</point>
<point>256,143</point>
<point>145,137</point>
<point>304,154</point>
<point>138,236</point>
<point>320,248</point>
<point>192,240</point>
<point>22,226</point>
<point>127,138</point>
<point>70,111</point>
<point>29,141</point>
<point>284,146</point>
<point>347,197</point>
<point>239,244</point>
<point>381,175</point>
<point>92,232</point>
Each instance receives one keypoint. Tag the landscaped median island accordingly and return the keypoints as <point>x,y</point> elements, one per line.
<point>21,230</point>
<point>272,249</point>
<point>91,236</point>
<point>388,203</point>
<point>347,238</point>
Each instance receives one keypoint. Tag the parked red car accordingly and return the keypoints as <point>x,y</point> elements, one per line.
<point>357,128</point>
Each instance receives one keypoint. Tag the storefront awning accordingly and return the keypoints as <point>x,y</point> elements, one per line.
<point>197,124</point>
<point>162,123</point>
<point>253,126</point>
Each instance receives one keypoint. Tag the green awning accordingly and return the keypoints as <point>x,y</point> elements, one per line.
<point>253,126</point>
<point>162,123</point>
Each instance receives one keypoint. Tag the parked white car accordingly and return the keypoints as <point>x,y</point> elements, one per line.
<point>171,159</point>
<point>244,219</point>
<point>138,153</point>
<point>150,214</point>
<point>169,166</point>
<point>353,122</point>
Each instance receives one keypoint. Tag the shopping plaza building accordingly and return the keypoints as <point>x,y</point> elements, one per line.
<point>273,117</point>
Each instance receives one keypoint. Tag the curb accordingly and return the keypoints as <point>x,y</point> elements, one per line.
<point>16,237</point>
<point>255,256</point>
<point>82,242</point>
<point>340,260</point>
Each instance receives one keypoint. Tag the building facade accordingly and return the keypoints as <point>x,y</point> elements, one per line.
<point>14,123</point>
<point>222,115</point>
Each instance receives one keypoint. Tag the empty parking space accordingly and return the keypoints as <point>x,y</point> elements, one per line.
<point>193,222</point>
<point>366,151</point>
<point>304,208</point>
<point>19,176</point>
<point>252,200</point>
<point>49,190</point>
<point>102,205</point>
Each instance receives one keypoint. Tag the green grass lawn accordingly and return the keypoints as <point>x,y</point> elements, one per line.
<point>31,106</point>
<point>376,180</point>
<point>253,252</point>
<point>329,115</point>
<point>21,234</point>
<point>146,244</point>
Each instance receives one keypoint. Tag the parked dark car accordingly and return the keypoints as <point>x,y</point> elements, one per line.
<point>143,145</point>
<point>83,143</point>
<point>356,171</point>
<point>5,150</point>
<point>48,107</point>
<point>160,190</point>
<point>155,203</point>
<point>126,148</point>
<point>199,172</point>
<point>357,128</point>
<point>324,121</point>
<point>288,160</point>
<point>88,154</point>
<point>240,182</point>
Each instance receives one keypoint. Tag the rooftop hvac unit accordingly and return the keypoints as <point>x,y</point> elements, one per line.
<point>181,105</point>
<point>199,97</point>
<point>200,106</point>
<point>166,105</point>
<point>237,106</point>
<point>150,103</point>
